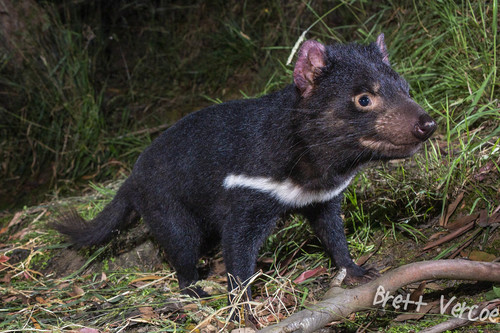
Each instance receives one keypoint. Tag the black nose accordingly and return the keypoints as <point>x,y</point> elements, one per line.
<point>424,127</point>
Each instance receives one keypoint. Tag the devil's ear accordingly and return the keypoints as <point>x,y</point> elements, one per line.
<point>309,64</point>
<point>382,48</point>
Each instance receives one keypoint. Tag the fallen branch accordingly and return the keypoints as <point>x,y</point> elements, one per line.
<point>342,302</point>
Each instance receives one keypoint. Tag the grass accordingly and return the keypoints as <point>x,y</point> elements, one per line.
<point>96,92</point>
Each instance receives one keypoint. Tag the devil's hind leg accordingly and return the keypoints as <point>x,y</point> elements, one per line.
<point>177,231</point>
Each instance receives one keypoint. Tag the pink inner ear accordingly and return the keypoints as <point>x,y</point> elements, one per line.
<point>316,56</point>
<point>383,48</point>
<point>311,59</point>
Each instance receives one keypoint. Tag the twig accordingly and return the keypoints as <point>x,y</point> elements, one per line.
<point>450,236</point>
<point>459,322</point>
<point>145,130</point>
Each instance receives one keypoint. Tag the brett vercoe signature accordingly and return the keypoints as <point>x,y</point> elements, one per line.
<point>458,310</point>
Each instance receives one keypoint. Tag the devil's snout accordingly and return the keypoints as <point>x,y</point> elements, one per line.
<point>424,127</point>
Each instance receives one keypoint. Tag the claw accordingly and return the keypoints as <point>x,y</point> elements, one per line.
<point>195,292</point>
<point>360,275</point>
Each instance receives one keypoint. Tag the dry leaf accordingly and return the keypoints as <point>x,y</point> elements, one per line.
<point>310,274</point>
<point>481,256</point>
<point>63,286</point>
<point>437,235</point>
<point>9,299</point>
<point>190,307</point>
<point>450,236</point>
<point>40,300</point>
<point>145,278</point>
<point>16,219</point>
<point>494,219</point>
<point>272,318</point>
<point>4,230</point>
<point>35,323</point>
<point>461,221</point>
<point>434,286</point>
<point>27,276</point>
<point>483,171</point>
<point>148,313</point>
<point>451,209</point>
<point>483,218</point>
<point>76,291</point>
<point>7,278</point>
<point>415,315</point>
<point>484,221</point>
<point>417,293</point>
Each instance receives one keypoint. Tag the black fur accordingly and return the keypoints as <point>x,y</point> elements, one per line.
<point>314,134</point>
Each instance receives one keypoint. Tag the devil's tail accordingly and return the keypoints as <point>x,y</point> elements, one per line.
<point>115,216</point>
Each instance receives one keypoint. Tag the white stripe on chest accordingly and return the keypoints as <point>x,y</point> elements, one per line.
<point>285,191</point>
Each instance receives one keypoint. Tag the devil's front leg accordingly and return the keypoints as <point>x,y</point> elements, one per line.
<point>326,221</point>
<point>246,227</point>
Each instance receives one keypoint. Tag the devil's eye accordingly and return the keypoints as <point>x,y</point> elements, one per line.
<point>364,100</point>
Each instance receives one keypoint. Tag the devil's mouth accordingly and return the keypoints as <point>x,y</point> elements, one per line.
<point>389,148</point>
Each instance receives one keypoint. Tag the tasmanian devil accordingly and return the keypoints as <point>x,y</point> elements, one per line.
<point>227,173</point>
